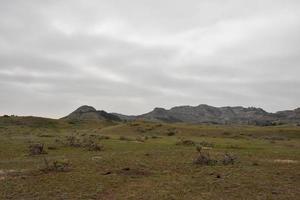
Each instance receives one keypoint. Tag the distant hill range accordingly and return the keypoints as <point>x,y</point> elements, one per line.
<point>196,114</point>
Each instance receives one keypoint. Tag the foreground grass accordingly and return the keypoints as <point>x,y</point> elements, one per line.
<point>268,166</point>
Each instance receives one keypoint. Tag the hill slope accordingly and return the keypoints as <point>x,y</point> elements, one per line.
<point>89,113</point>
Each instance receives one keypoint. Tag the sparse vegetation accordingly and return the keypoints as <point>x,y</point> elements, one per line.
<point>100,159</point>
<point>204,158</point>
<point>93,146</point>
<point>229,159</point>
<point>73,141</point>
<point>186,142</point>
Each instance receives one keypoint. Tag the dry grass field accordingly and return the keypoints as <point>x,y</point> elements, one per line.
<point>56,159</point>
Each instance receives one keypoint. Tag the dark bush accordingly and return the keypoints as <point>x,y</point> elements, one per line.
<point>171,133</point>
<point>37,149</point>
<point>52,148</point>
<point>103,137</point>
<point>125,138</point>
<point>155,137</point>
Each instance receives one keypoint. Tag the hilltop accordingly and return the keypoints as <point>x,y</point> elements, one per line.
<point>89,113</point>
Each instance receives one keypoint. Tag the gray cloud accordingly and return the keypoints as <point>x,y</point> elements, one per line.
<point>131,56</point>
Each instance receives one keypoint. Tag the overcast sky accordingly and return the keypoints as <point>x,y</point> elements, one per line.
<point>131,56</point>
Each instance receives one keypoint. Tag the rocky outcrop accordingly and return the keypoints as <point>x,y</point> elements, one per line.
<point>220,115</point>
<point>196,114</point>
<point>289,116</point>
<point>209,114</point>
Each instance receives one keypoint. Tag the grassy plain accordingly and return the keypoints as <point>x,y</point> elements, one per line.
<point>147,163</point>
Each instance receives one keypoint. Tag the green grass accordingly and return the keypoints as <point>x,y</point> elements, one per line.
<point>158,168</point>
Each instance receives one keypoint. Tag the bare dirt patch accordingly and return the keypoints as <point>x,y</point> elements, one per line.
<point>2,175</point>
<point>286,161</point>
<point>11,173</point>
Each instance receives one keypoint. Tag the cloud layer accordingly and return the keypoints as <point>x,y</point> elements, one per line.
<point>131,56</point>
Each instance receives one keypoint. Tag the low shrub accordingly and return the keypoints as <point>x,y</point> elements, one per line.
<point>204,158</point>
<point>36,149</point>
<point>171,133</point>
<point>73,141</point>
<point>90,143</point>
<point>229,159</point>
<point>93,146</point>
<point>56,166</point>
